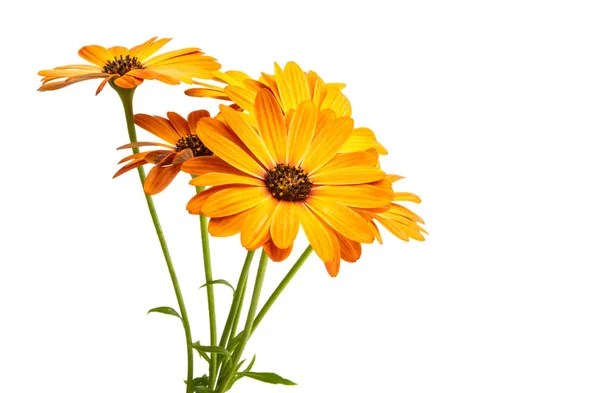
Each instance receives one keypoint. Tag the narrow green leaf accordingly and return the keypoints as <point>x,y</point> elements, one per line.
<point>202,389</point>
<point>211,349</point>
<point>268,378</point>
<point>251,364</point>
<point>218,282</point>
<point>199,381</point>
<point>165,310</point>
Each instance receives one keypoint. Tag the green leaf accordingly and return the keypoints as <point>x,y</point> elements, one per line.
<point>268,378</point>
<point>202,389</point>
<point>211,349</point>
<point>165,310</point>
<point>250,365</point>
<point>218,282</point>
<point>199,381</point>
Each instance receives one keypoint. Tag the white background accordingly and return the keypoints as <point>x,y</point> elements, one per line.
<point>489,108</point>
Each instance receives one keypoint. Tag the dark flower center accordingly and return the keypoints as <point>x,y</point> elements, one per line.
<point>288,183</point>
<point>195,144</point>
<point>122,65</point>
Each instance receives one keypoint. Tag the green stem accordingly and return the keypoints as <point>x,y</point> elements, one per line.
<point>236,303</point>
<point>286,280</point>
<point>210,294</point>
<point>126,96</point>
<point>260,275</point>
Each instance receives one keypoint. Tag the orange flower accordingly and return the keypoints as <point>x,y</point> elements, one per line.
<point>128,68</point>
<point>184,144</point>
<point>268,180</point>
<point>290,86</point>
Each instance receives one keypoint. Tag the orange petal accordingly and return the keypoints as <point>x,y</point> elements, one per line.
<point>158,126</point>
<point>210,93</point>
<point>301,131</point>
<point>95,54</point>
<point>350,175</point>
<point>317,88</point>
<point>345,160</point>
<point>243,97</point>
<point>255,232</point>
<point>248,135</point>
<point>292,84</point>
<point>159,178</point>
<point>232,200</point>
<point>179,123</point>
<point>194,206</point>
<point>349,249</point>
<point>338,102</point>
<point>341,218</point>
<point>148,48</point>
<point>157,60</point>
<point>362,195</point>
<point>227,226</point>
<point>322,239</point>
<point>193,118</point>
<point>362,139</point>
<point>327,143</point>
<point>222,141</point>
<point>406,196</point>
<point>285,224</point>
<point>128,81</point>
<point>271,124</point>
<point>275,253</point>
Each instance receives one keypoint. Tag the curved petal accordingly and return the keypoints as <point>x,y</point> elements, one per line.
<point>351,175</point>
<point>341,218</point>
<point>179,123</point>
<point>95,54</point>
<point>222,141</point>
<point>301,132</point>
<point>243,97</point>
<point>292,84</point>
<point>349,249</point>
<point>362,195</point>
<point>232,200</point>
<point>271,124</point>
<point>248,135</point>
<point>158,126</point>
<point>322,239</point>
<point>255,232</point>
<point>194,206</point>
<point>159,178</point>
<point>285,224</point>
<point>362,139</point>
<point>275,253</point>
<point>227,226</point>
<point>148,48</point>
<point>128,81</point>
<point>345,160</point>
<point>327,143</point>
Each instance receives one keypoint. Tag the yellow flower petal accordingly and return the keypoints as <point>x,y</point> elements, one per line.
<point>256,229</point>
<point>232,200</point>
<point>350,175</point>
<point>341,218</point>
<point>271,125</point>
<point>285,224</point>
<point>301,131</point>
<point>326,144</point>
<point>322,239</point>
<point>361,195</point>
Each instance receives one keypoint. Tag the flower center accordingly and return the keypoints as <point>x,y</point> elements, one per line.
<point>288,183</point>
<point>122,65</point>
<point>195,144</point>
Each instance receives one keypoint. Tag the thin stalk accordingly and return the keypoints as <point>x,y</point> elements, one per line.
<point>126,96</point>
<point>237,301</point>
<point>286,280</point>
<point>210,294</point>
<point>260,275</point>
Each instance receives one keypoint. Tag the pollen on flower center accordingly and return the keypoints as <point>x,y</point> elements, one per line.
<point>288,183</point>
<point>122,65</point>
<point>195,144</point>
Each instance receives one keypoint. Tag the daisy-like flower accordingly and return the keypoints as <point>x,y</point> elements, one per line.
<point>285,173</point>
<point>128,68</point>
<point>290,86</point>
<point>182,144</point>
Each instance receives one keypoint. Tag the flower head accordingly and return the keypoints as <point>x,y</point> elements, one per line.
<point>287,172</point>
<point>128,68</point>
<point>182,144</point>
<point>290,86</point>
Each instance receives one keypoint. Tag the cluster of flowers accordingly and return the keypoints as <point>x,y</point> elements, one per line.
<point>282,153</point>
